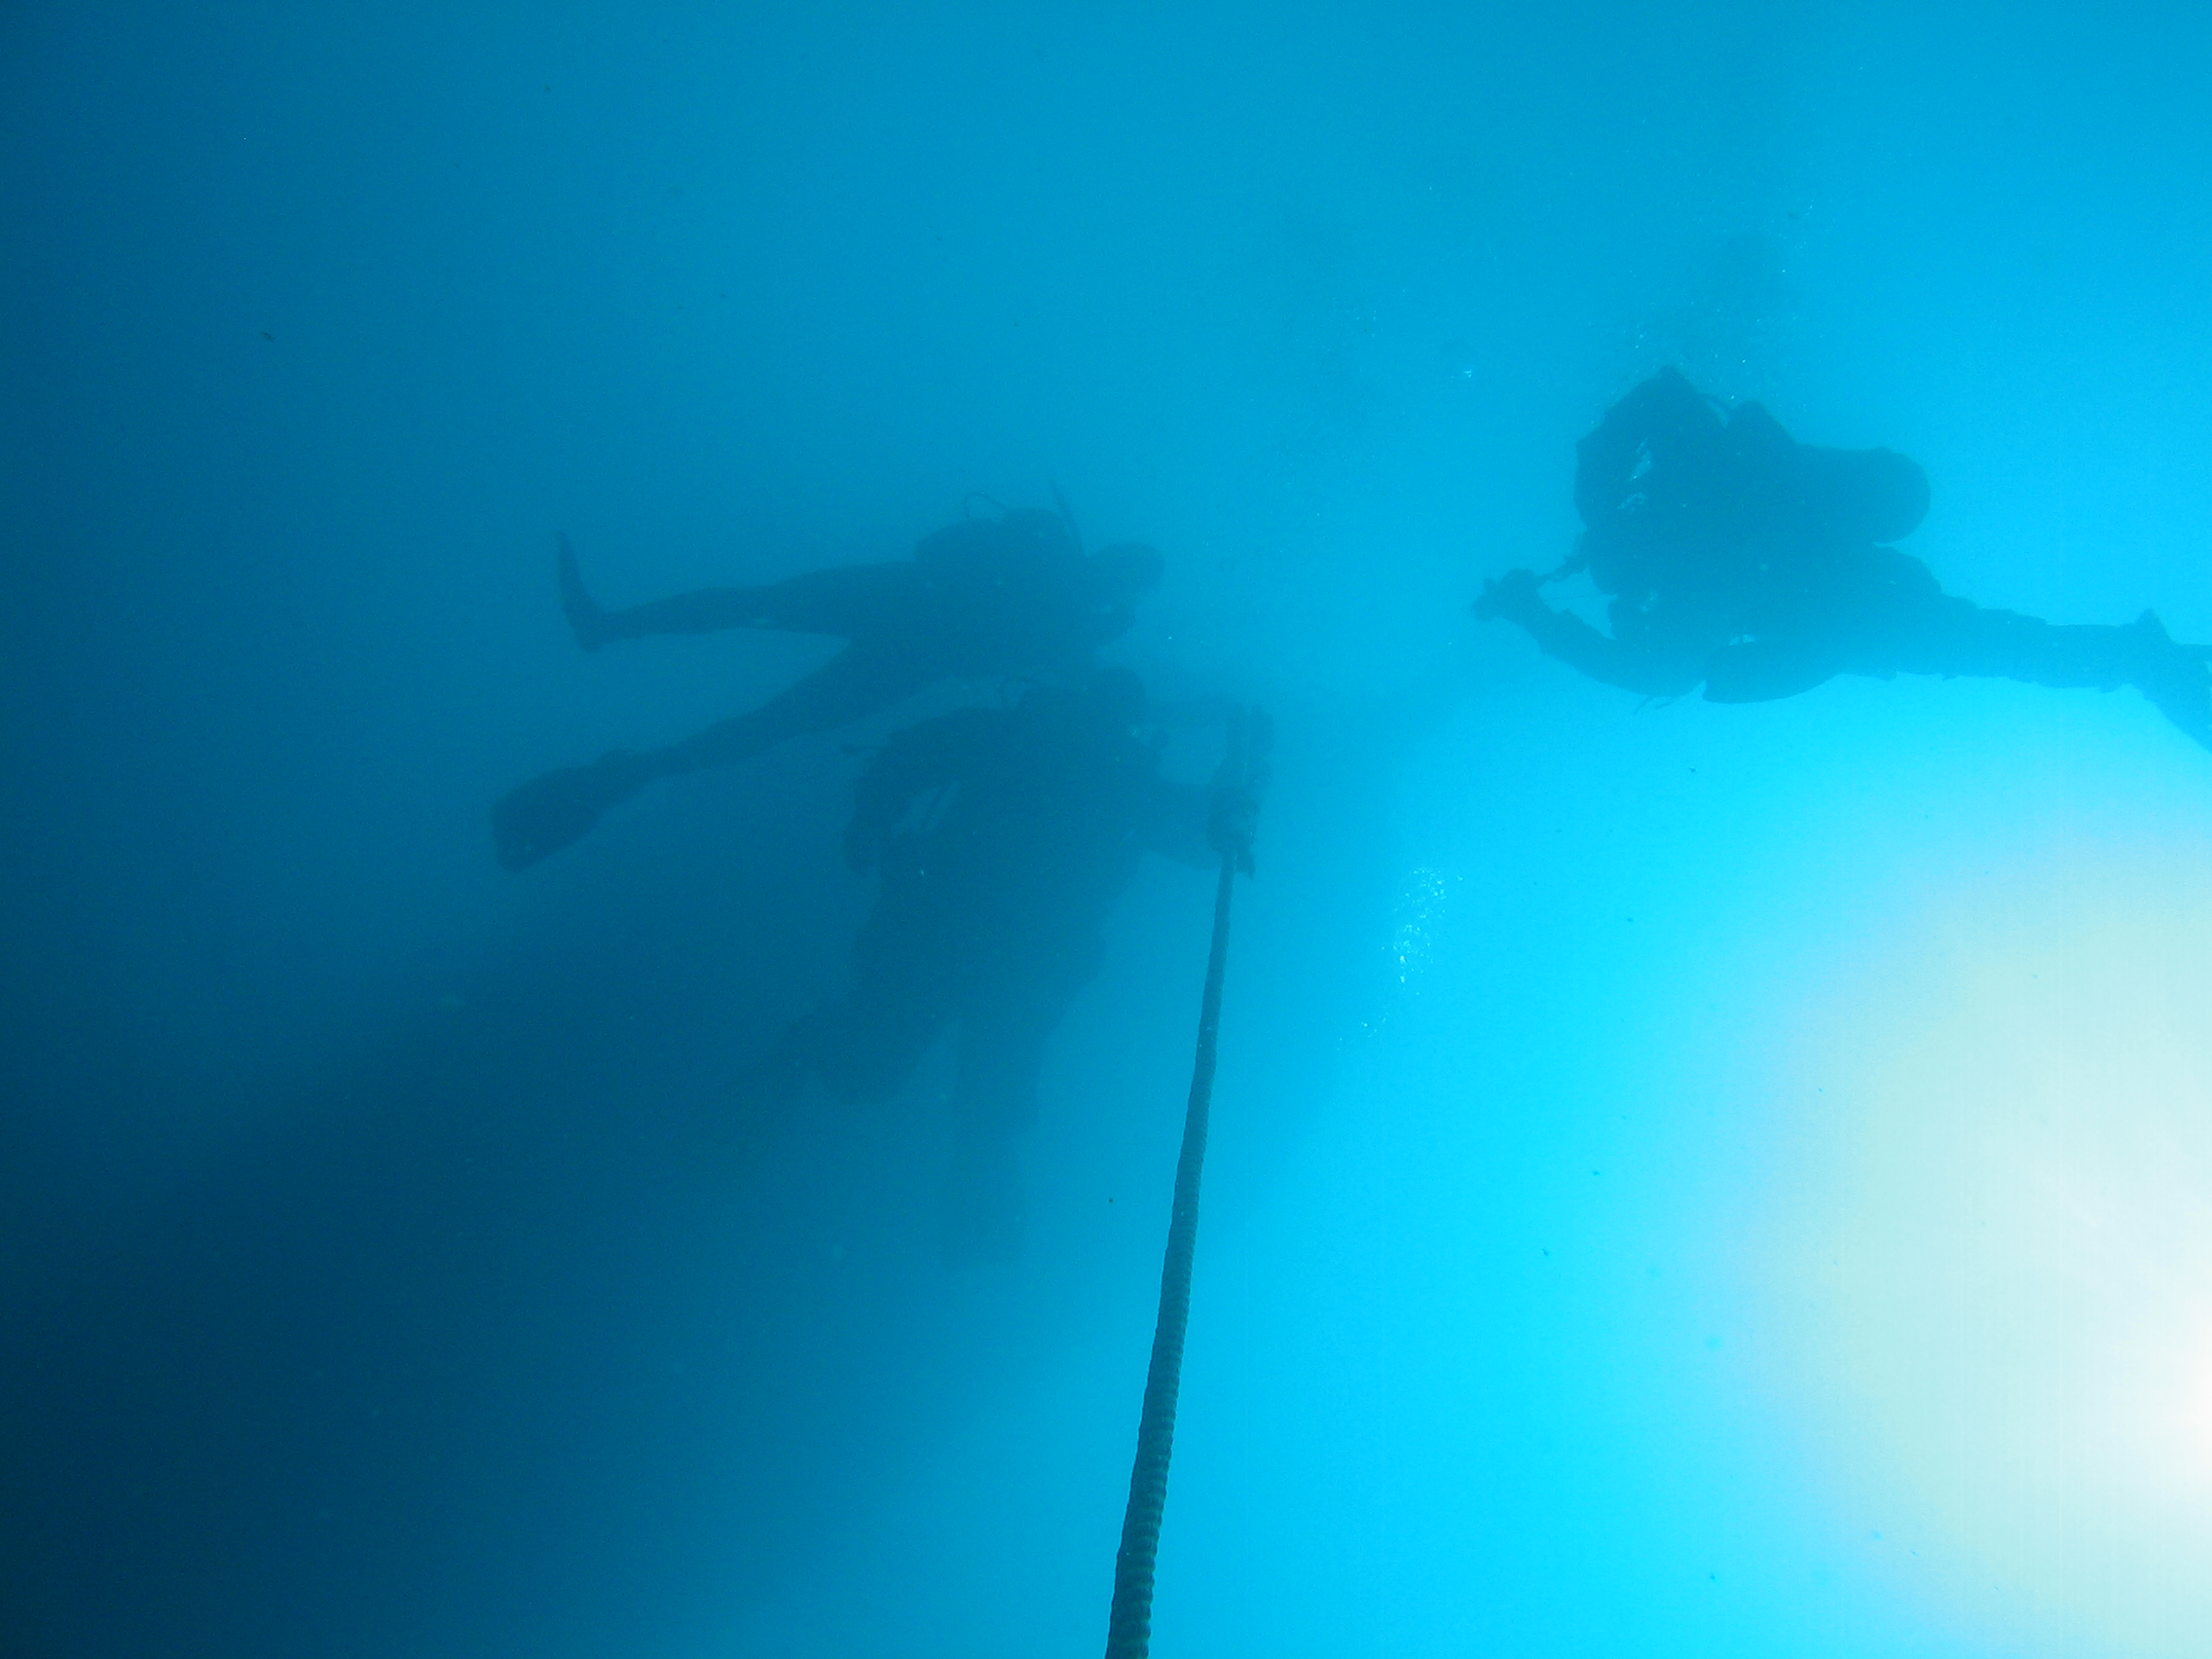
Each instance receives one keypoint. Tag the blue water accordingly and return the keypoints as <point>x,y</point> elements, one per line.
<point>1686,1181</point>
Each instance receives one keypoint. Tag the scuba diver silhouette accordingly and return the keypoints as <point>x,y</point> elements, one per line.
<point>1736,557</point>
<point>1002,838</point>
<point>982,597</point>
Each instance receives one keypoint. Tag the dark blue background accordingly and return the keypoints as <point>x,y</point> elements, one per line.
<point>1717,1181</point>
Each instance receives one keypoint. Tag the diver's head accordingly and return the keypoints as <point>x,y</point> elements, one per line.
<point>1121,572</point>
<point>1871,494</point>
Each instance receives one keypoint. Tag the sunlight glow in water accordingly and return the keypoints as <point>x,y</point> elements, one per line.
<point>2010,1334</point>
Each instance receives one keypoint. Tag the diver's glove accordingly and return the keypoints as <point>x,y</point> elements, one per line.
<point>1515,598</point>
<point>1233,804</point>
<point>1233,818</point>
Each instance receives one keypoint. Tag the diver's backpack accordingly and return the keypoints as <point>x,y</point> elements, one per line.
<point>1672,476</point>
<point>1660,454</point>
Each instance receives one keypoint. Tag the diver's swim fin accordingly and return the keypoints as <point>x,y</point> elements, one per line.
<point>588,620</point>
<point>548,813</point>
<point>2175,677</point>
<point>1067,517</point>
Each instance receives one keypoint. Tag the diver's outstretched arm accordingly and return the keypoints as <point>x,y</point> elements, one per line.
<point>846,600</point>
<point>1560,634</point>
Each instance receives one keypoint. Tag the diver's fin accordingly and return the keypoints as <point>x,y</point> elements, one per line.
<point>1067,517</point>
<point>548,813</point>
<point>2175,677</point>
<point>587,619</point>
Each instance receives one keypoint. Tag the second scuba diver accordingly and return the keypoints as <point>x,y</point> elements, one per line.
<point>1736,557</point>
<point>1001,838</point>
<point>980,599</point>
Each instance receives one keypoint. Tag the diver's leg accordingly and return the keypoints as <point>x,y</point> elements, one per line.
<point>901,1001</point>
<point>863,1049</point>
<point>1945,635</point>
<point>1950,636</point>
<point>847,600</point>
<point>1003,1037</point>
<point>549,813</point>
<point>733,1129</point>
<point>868,1047</point>
<point>905,992</point>
<point>859,681</point>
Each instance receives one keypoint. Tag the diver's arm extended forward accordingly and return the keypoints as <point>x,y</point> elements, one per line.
<point>1200,826</point>
<point>1562,635</point>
